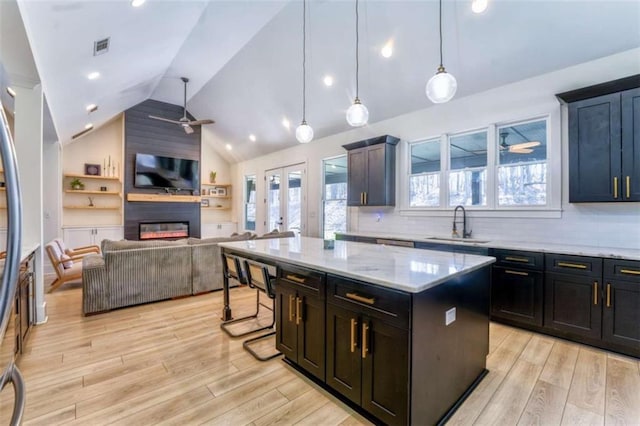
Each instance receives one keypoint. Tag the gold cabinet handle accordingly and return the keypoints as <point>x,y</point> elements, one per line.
<point>354,324</point>
<point>595,292</point>
<point>365,349</point>
<point>615,187</point>
<point>629,271</point>
<point>524,274</point>
<point>291,298</point>
<point>358,298</point>
<point>365,199</point>
<point>298,310</point>
<point>295,278</point>
<point>628,187</point>
<point>608,295</point>
<point>362,198</point>
<point>572,265</point>
<point>517,259</point>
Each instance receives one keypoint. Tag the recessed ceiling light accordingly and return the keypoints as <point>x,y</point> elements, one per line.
<point>11,92</point>
<point>94,75</point>
<point>387,49</point>
<point>286,123</point>
<point>229,147</point>
<point>137,3</point>
<point>252,137</point>
<point>88,126</point>
<point>92,107</point>
<point>328,80</point>
<point>479,6</point>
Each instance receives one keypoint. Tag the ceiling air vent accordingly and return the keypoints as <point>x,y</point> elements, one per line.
<point>100,46</point>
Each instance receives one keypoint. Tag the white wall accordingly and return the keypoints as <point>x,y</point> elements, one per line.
<point>602,224</point>
<point>213,162</point>
<point>52,189</point>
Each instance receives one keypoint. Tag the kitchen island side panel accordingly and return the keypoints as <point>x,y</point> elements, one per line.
<point>448,359</point>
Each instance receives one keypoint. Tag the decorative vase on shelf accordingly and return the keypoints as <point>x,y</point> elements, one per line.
<point>212,177</point>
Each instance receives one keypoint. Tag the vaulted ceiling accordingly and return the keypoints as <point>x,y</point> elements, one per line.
<point>244,58</point>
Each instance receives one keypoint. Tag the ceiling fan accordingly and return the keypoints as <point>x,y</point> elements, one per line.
<point>184,121</point>
<point>516,148</point>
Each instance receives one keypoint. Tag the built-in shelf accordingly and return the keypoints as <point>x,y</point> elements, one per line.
<point>82,191</point>
<point>216,208</point>
<point>71,175</point>
<point>216,196</point>
<point>92,207</point>
<point>217,184</point>
<point>164,198</point>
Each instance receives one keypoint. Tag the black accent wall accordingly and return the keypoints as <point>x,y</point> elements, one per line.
<point>148,136</point>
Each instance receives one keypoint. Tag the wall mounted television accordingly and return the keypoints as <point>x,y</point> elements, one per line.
<point>155,171</point>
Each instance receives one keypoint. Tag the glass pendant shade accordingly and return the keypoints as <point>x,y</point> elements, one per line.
<point>441,87</point>
<point>357,114</point>
<point>304,133</point>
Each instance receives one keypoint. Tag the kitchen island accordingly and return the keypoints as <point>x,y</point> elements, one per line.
<point>400,334</point>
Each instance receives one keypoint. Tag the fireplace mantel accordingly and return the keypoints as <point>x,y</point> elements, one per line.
<point>163,198</point>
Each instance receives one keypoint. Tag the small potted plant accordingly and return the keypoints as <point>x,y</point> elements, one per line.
<point>212,177</point>
<point>76,184</point>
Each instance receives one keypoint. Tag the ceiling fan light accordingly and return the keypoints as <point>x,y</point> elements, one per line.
<point>357,114</point>
<point>441,87</point>
<point>304,133</point>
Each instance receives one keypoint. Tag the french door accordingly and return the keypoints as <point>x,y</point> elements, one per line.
<point>286,199</point>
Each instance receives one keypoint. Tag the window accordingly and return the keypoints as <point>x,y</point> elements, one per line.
<point>468,169</point>
<point>424,179</point>
<point>250,203</point>
<point>334,209</point>
<point>522,164</point>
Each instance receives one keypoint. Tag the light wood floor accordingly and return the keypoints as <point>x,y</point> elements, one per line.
<point>169,363</point>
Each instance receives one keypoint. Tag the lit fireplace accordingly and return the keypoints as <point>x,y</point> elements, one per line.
<point>164,230</point>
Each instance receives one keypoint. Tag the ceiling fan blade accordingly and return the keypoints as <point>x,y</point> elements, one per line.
<point>520,150</point>
<point>165,119</point>
<point>187,129</point>
<point>200,122</point>
<point>524,145</point>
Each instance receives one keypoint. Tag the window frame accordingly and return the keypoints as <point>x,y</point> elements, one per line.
<point>407,187</point>
<point>323,194</point>
<point>245,201</point>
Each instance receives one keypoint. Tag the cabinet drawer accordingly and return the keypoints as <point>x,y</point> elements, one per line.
<point>627,270</point>
<point>398,243</point>
<point>302,277</point>
<point>575,265</point>
<point>519,259</point>
<point>385,304</point>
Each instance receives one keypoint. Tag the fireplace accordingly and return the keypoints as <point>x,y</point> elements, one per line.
<point>163,230</point>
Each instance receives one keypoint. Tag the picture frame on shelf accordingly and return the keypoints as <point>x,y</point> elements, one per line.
<point>204,202</point>
<point>92,169</point>
<point>220,192</point>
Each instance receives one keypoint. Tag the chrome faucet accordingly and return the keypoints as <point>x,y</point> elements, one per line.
<point>454,231</point>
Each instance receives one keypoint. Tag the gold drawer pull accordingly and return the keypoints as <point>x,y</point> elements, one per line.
<point>298,310</point>
<point>358,298</point>
<point>524,274</point>
<point>608,295</point>
<point>365,199</point>
<point>296,279</point>
<point>291,298</point>
<point>354,324</point>
<point>615,187</point>
<point>572,265</point>
<point>595,292</point>
<point>629,271</point>
<point>365,349</point>
<point>517,259</point>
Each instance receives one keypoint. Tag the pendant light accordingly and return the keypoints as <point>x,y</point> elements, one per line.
<point>304,132</point>
<point>442,86</point>
<point>357,114</point>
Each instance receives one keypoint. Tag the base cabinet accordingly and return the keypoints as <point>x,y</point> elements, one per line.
<point>300,318</point>
<point>621,307</point>
<point>86,236</point>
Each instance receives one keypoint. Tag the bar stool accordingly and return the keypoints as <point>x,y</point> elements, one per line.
<point>231,269</point>
<point>258,277</point>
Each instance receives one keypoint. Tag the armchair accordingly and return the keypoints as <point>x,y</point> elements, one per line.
<point>68,266</point>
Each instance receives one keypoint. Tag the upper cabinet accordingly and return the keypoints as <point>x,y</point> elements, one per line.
<point>604,142</point>
<point>371,172</point>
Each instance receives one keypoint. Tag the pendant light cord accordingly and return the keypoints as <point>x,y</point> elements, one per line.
<point>440,21</point>
<point>357,52</point>
<point>304,61</point>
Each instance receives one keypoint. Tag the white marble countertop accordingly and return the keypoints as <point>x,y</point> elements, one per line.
<point>579,250</point>
<point>399,268</point>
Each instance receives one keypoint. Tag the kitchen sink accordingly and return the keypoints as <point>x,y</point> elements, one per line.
<point>457,240</point>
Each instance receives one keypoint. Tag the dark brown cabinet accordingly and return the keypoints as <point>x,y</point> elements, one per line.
<point>367,357</point>
<point>573,287</point>
<point>621,307</point>
<point>517,287</point>
<point>604,142</point>
<point>300,316</point>
<point>371,172</point>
